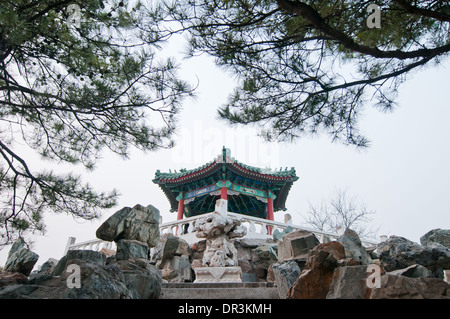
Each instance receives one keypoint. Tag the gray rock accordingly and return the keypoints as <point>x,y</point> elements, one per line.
<point>440,236</point>
<point>172,255</point>
<point>20,259</point>
<point>137,223</point>
<point>353,247</point>
<point>48,266</point>
<point>145,278</point>
<point>401,287</point>
<point>399,252</point>
<point>285,276</point>
<point>277,235</point>
<point>296,245</point>
<point>130,249</point>
<point>349,282</point>
<point>413,271</point>
<point>12,278</point>
<point>90,256</point>
<point>117,280</point>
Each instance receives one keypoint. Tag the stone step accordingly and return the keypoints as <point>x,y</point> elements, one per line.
<point>246,290</point>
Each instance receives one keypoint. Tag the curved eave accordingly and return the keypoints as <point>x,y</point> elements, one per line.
<point>170,197</point>
<point>190,176</point>
<point>280,201</point>
<point>241,170</point>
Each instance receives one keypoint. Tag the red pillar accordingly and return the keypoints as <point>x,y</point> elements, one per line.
<point>223,193</point>
<point>180,209</point>
<point>269,213</point>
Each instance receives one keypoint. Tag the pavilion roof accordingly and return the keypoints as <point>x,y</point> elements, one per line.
<point>172,182</point>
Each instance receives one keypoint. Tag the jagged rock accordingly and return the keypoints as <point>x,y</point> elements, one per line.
<point>284,275</point>
<point>315,279</point>
<point>20,258</point>
<point>48,267</point>
<point>137,223</point>
<point>8,278</point>
<point>143,276</point>
<point>255,257</point>
<point>172,256</point>
<point>414,271</point>
<point>401,287</point>
<point>296,245</point>
<point>335,248</point>
<point>399,252</point>
<point>262,258</point>
<point>349,282</point>
<point>277,235</point>
<point>131,249</point>
<point>90,256</point>
<point>440,236</point>
<point>107,252</point>
<point>218,229</point>
<point>353,247</point>
<point>117,280</point>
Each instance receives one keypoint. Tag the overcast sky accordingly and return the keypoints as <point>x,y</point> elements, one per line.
<point>404,176</point>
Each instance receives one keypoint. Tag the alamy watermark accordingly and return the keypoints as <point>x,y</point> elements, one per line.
<point>199,144</point>
<point>74,19</point>
<point>74,279</point>
<point>374,278</point>
<point>374,19</point>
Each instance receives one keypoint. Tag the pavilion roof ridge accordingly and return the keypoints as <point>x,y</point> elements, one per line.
<point>269,171</point>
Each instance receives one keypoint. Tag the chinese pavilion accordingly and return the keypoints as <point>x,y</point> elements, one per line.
<point>248,190</point>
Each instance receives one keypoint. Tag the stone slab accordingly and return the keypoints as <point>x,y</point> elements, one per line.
<point>218,274</point>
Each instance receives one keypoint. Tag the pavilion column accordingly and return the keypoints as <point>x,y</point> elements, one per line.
<point>270,213</point>
<point>222,203</point>
<point>180,209</point>
<point>224,193</point>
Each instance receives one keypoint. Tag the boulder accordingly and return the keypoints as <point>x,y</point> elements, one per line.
<point>131,249</point>
<point>20,258</point>
<point>277,235</point>
<point>414,271</point>
<point>401,287</point>
<point>116,280</point>
<point>255,256</point>
<point>137,223</point>
<point>142,276</point>
<point>399,252</point>
<point>172,256</point>
<point>8,278</point>
<point>48,267</point>
<point>349,282</point>
<point>262,258</point>
<point>315,279</point>
<point>353,247</point>
<point>440,236</point>
<point>89,256</point>
<point>284,275</point>
<point>335,248</point>
<point>296,245</point>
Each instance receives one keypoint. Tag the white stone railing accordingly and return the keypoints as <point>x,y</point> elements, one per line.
<point>256,228</point>
<point>184,228</point>
<point>94,244</point>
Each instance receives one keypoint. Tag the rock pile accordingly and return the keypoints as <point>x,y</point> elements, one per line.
<point>300,266</point>
<point>342,269</point>
<point>172,257</point>
<point>134,230</point>
<point>87,274</point>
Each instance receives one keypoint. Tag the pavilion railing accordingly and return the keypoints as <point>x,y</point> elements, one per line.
<point>185,228</point>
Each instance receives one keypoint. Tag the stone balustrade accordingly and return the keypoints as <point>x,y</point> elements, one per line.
<point>184,228</point>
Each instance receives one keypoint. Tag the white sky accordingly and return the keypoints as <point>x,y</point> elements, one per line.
<point>404,175</point>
